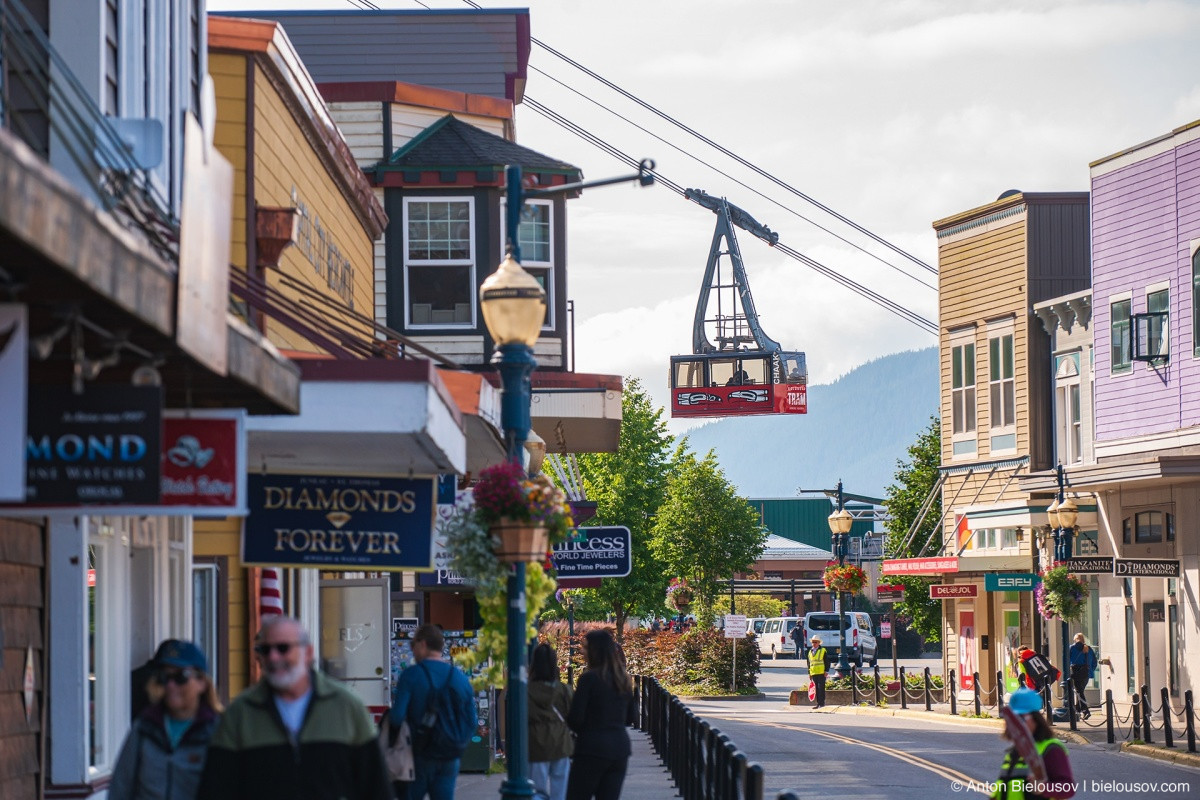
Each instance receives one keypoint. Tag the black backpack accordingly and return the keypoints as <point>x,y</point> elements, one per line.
<point>442,733</point>
<point>1039,671</point>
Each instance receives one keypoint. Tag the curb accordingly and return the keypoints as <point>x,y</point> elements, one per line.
<point>759,696</point>
<point>1183,758</point>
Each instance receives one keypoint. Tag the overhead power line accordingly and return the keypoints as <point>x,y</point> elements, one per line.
<point>904,313</point>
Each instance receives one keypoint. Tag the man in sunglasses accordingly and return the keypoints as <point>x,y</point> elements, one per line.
<point>296,733</point>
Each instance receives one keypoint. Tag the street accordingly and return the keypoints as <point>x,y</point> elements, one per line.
<point>865,756</point>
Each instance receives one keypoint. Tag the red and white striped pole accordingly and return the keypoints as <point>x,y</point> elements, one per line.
<point>270,595</point>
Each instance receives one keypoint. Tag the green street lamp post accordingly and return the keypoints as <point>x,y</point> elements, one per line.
<point>840,523</point>
<point>514,305</point>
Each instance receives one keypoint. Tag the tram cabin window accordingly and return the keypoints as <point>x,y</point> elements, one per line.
<point>793,370</point>
<point>722,372</point>
<point>756,370</point>
<point>689,374</point>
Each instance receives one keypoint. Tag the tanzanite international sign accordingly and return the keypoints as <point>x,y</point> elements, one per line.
<point>339,522</point>
<point>100,447</point>
<point>599,552</point>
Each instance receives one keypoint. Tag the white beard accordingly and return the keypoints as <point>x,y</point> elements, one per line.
<point>288,679</point>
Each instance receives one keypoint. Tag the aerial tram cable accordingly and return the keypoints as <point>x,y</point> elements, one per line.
<point>725,151</point>
<point>897,309</point>
<point>739,182</point>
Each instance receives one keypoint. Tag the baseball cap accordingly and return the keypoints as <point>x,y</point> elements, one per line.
<point>178,653</point>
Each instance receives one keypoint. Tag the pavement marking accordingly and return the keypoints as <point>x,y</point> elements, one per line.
<point>954,776</point>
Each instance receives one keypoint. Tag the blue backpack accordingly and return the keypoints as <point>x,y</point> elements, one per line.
<point>442,733</point>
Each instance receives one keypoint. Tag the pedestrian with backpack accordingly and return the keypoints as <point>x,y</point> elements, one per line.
<point>436,699</point>
<point>1035,670</point>
<point>550,740</point>
<point>1083,670</point>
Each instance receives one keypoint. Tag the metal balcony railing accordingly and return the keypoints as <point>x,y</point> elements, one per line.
<point>45,105</point>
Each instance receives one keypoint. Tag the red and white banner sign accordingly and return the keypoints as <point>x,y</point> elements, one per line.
<point>920,566</point>
<point>204,462</point>
<point>953,592</point>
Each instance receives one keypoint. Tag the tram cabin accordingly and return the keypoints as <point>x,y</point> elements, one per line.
<point>738,384</point>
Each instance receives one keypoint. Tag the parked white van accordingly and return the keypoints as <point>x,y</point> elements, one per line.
<point>862,646</point>
<point>776,637</point>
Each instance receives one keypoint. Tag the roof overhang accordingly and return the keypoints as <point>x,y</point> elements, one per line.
<point>62,253</point>
<point>1145,472</point>
<point>479,403</point>
<point>577,412</point>
<point>370,417</point>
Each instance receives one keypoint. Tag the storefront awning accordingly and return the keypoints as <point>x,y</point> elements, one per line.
<point>379,417</point>
<point>577,412</point>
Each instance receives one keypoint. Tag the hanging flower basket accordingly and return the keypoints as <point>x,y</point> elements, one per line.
<point>679,595</point>
<point>1061,595</point>
<point>846,578</point>
<point>515,540</point>
<point>524,516</point>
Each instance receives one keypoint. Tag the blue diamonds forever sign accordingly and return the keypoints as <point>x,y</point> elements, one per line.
<point>336,522</point>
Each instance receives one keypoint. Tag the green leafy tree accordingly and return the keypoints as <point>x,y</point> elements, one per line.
<point>705,532</point>
<point>914,480</point>
<point>628,487</point>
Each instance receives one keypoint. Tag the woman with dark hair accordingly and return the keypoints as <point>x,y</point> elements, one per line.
<point>603,706</point>
<point>1016,779</point>
<point>550,743</point>
<point>165,751</point>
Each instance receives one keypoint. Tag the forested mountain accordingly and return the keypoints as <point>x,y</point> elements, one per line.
<point>856,429</point>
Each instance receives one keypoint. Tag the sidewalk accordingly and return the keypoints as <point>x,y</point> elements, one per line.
<point>647,777</point>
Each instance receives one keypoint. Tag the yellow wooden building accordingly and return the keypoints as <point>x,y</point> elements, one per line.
<point>304,226</point>
<point>995,262</point>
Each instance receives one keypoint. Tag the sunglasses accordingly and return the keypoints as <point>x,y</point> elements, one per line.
<point>177,677</point>
<point>282,648</point>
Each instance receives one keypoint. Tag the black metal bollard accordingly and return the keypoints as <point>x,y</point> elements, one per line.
<point>952,688</point>
<point>737,772</point>
<point>1190,723</point>
<point>903,692</point>
<point>975,684</point>
<point>877,688</point>
<point>1110,710</point>
<point>1072,713</point>
<point>999,691</point>
<point>1168,734</point>
<point>928,693</point>
<point>1147,710</point>
<point>754,782</point>
<point>1047,701</point>
<point>725,768</point>
<point>853,686</point>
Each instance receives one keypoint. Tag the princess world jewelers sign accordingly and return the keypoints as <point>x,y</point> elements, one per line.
<point>339,522</point>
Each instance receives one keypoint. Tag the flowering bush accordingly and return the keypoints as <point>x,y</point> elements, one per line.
<point>505,492</point>
<point>1061,594</point>
<point>845,578</point>
<point>679,595</point>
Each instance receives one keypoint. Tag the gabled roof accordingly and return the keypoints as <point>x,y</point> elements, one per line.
<point>780,549</point>
<point>451,144</point>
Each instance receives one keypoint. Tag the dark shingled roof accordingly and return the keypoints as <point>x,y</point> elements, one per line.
<point>451,143</point>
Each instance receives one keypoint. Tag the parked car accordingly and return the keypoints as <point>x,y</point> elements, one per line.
<point>776,637</point>
<point>862,645</point>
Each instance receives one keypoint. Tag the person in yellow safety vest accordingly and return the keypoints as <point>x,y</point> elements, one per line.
<point>1015,781</point>
<point>816,670</point>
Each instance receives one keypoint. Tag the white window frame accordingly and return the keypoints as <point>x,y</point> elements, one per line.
<point>418,262</point>
<point>1068,421</point>
<point>960,339</point>
<point>997,332</point>
<point>528,262</point>
<point>208,638</point>
<point>1165,333</point>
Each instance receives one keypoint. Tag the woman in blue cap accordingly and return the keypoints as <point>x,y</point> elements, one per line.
<point>1017,781</point>
<point>163,756</point>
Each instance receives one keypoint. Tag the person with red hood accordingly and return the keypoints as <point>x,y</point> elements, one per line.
<point>1034,670</point>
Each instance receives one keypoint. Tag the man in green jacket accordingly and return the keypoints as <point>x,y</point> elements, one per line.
<point>294,735</point>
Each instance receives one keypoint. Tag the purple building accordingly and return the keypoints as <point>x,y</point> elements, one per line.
<point>1145,228</point>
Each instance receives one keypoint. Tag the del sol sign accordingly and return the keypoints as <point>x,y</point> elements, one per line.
<point>339,522</point>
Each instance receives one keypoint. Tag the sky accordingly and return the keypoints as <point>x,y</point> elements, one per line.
<point>894,113</point>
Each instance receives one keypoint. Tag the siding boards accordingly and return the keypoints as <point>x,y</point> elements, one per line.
<point>22,620</point>
<point>472,52</point>
<point>1137,241</point>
